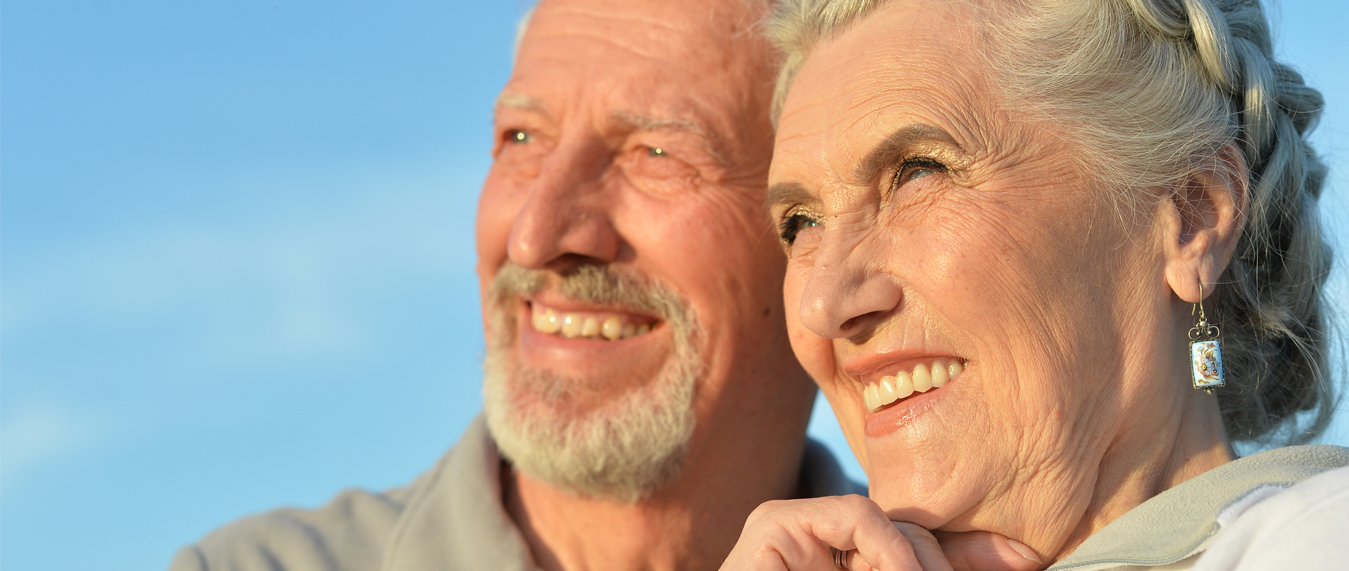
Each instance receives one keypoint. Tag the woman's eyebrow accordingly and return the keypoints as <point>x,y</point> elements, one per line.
<point>899,143</point>
<point>787,193</point>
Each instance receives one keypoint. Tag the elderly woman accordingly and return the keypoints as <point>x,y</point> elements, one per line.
<point>1048,259</point>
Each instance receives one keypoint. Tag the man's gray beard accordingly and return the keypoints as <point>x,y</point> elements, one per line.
<point>623,449</point>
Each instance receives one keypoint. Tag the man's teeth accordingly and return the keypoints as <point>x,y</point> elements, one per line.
<point>923,378</point>
<point>577,325</point>
<point>611,329</point>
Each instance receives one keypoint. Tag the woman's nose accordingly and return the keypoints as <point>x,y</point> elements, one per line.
<point>566,217</point>
<point>844,296</point>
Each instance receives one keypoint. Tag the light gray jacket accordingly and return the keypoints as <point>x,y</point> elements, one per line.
<point>449,518</point>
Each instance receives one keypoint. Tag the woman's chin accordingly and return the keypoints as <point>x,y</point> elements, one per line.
<point>920,502</point>
<point>919,462</point>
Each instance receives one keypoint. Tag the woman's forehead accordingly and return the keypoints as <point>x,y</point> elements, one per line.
<point>911,65</point>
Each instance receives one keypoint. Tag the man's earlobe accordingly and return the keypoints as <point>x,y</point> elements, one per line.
<point>1207,214</point>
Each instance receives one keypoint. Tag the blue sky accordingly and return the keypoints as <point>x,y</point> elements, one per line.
<point>236,255</point>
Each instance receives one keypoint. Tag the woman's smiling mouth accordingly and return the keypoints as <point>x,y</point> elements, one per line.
<point>921,377</point>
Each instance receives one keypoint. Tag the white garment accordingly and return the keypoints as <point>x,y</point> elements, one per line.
<point>1304,527</point>
<point>1286,508</point>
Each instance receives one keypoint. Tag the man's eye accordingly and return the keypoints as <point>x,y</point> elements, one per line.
<point>793,223</point>
<point>655,151</point>
<point>517,136</point>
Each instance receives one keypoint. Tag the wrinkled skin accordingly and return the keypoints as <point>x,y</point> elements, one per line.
<point>635,135</point>
<point>927,219</point>
<point>793,534</point>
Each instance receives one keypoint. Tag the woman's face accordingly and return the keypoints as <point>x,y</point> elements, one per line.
<point>927,224</point>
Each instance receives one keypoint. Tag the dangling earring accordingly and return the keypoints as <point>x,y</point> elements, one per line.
<point>1206,357</point>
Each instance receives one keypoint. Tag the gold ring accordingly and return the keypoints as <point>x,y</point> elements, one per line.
<point>840,558</point>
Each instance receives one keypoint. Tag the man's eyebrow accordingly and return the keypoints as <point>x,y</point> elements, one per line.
<point>886,153</point>
<point>787,193</point>
<point>647,123</point>
<point>640,122</point>
<point>521,101</point>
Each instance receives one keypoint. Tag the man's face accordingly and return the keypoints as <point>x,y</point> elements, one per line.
<point>625,261</point>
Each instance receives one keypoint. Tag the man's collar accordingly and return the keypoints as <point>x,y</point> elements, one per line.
<point>455,519</point>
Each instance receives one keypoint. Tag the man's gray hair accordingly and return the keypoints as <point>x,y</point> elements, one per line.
<point>520,28</point>
<point>1153,91</point>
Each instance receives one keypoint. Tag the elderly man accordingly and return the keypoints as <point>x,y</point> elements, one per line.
<point>641,395</point>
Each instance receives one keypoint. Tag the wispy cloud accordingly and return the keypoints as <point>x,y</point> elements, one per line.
<point>254,289</point>
<point>42,432</point>
<point>143,322</point>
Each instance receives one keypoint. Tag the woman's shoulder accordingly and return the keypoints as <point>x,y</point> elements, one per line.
<point>1188,519</point>
<point>1310,459</point>
<point>1302,526</point>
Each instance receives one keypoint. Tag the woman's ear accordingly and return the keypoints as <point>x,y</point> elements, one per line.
<point>1203,220</point>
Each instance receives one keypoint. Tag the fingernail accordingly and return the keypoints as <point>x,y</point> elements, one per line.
<point>1025,551</point>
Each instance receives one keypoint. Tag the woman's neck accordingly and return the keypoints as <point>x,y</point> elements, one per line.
<point>1133,470</point>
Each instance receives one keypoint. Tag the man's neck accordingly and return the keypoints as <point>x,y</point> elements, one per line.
<point>690,524</point>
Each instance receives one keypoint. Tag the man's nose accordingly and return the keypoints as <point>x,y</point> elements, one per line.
<point>847,292</point>
<point>567,216</point>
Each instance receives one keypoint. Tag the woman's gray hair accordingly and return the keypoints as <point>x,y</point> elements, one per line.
<point>1154,91</point>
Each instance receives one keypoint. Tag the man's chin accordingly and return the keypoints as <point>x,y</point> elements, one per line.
<point>623,448</point>
<point>607,418</point>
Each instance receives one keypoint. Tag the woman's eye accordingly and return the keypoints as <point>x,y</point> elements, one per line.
<point>793,223</point>
<point>917,168</point>
<point>517,136</point>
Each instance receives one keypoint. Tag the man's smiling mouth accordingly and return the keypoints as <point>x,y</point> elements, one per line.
<point>611,326</point>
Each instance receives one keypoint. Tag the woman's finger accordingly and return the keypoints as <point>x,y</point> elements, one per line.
<point>798,534</point>
<point>858,526</point>
<point>986,551</point>
<point>849,560</point>
<point>925,546</point>
<point>853,533</point>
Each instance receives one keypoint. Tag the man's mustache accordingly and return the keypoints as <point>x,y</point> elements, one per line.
<point>597,284</point>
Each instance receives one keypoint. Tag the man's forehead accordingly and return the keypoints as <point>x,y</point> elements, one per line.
<point>656,22</point>
<point>687,36</point>
<point>694,66</point>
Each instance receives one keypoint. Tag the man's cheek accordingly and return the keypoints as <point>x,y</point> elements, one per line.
<point>497,208</point>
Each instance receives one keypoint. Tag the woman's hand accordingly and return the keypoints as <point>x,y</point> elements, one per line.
<point>796,535</point>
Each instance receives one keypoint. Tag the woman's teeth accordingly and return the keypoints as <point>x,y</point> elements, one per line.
<point>923,378</point>
<point>585,325</point>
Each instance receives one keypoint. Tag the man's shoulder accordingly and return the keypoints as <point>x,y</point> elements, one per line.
<point>355,529</point>
<point>349,532</point>
<point>821,474</point>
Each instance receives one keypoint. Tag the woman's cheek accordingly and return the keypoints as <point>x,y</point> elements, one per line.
<point>814,352</point>
<point>816,355</point>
